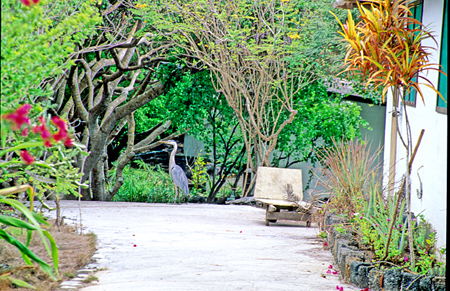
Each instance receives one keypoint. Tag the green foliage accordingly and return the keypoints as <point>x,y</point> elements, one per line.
<point>321,118</point>
<point>33,224</point>
<point>199,175</point>
<point>193,104</point>
<point>340,228</point>
<point>145,184</point>
<point>36,42</point>
<point>351,178</point>
<point>374,223</point>
<point>323,234</point>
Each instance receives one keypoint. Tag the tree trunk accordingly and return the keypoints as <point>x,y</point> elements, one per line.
<point>98,181</point>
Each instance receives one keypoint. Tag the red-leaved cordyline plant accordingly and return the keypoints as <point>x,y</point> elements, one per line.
<point>386,49</point>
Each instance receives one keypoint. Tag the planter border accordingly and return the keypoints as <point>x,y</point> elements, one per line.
<point>356,269</point>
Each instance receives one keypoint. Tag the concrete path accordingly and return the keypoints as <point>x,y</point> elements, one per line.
<point>202,247</point>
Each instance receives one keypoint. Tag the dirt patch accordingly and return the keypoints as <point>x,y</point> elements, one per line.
<point>75,251</point>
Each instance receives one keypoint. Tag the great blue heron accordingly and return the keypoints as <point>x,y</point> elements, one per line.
<point>176,172</point>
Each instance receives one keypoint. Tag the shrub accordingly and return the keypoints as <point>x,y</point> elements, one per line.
<point>146,184</point>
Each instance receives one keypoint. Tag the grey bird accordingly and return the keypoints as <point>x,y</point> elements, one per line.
<point>176,172</point>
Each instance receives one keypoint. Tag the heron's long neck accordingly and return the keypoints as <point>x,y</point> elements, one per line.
<point>172,157</point>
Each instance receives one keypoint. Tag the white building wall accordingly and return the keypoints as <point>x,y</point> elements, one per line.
<point>430,162</point>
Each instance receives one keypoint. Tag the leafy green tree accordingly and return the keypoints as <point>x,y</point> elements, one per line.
<point>261,54</point>
<point>194,104</point>
<point>320,119</point>
<point>36,44</point>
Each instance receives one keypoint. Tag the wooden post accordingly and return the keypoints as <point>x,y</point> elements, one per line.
<point>393,144</point>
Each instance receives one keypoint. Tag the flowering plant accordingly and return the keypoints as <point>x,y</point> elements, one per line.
<point>36,150</point>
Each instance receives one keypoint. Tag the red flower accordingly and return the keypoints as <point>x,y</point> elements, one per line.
<point>68,142</point>
<point>330,267</point>
<point>365,289</point>
<point>59,123</point>
<point>47,143</point>
<point>26,157</point>
<point>335,272</point>
<point>19,117</point>
<point>42,129</point>
<point>325,244</point>
<point>25,131</point>
<point>62,133</point>
<point>28,3</point>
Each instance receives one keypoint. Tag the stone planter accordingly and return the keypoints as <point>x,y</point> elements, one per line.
<point>355,267</point>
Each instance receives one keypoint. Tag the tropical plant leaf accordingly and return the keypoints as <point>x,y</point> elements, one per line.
<point>17,282</point>
<point>26,251</point>
<point>12,221</point>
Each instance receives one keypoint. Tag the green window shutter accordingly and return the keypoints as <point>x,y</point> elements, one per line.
<point>443,80</point>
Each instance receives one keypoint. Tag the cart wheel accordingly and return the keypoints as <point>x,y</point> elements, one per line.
<point>308,223</point>
<point>272,220</point>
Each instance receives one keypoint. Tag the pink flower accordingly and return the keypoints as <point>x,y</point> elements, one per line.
<point>388,219</point>
<point>330,267</point>
<point>329,272</point>
<point>335,272</point>
<point>360,217</point>
<point>376,225</point>
<point>405,259</point>
<point>19,117</point>
<point>340,288</point>
<point>26,157</point>
<point>399,225</point>
<point>325,244</point>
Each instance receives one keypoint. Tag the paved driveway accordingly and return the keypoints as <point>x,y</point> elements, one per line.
<point>202,247</point>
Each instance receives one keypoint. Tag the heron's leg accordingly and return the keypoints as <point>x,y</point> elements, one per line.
<point>176,194</point>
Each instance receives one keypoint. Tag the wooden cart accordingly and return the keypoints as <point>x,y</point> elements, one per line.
<point>283,210</point>
<point>270,192</point>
